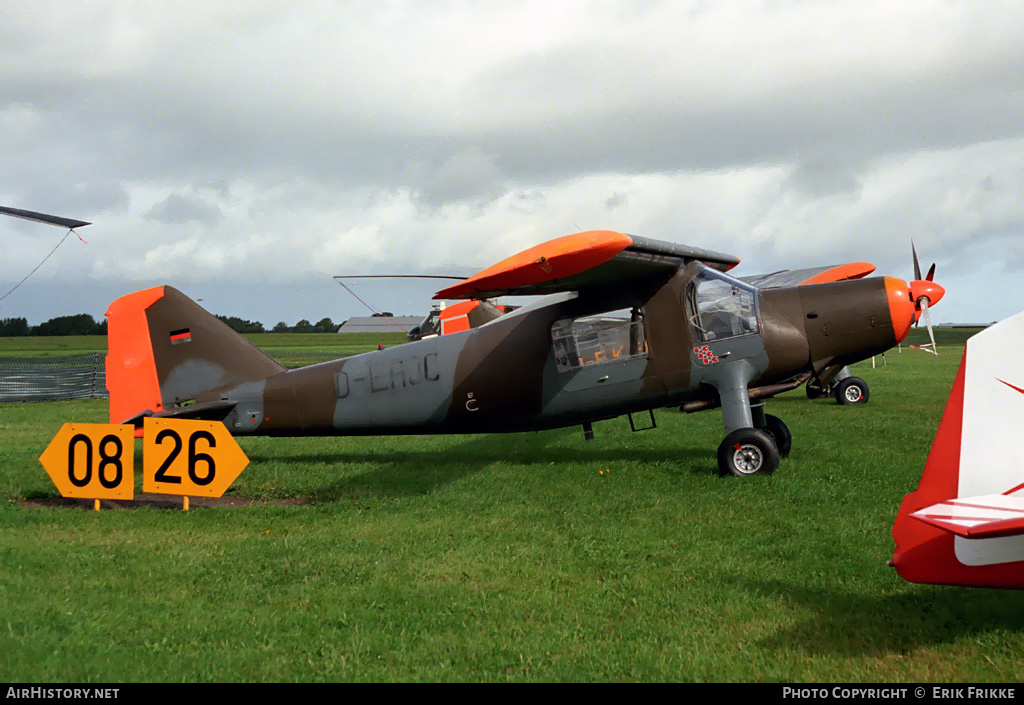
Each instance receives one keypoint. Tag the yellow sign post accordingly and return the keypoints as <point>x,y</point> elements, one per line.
<point>92,460</point>
<point>189,457</point>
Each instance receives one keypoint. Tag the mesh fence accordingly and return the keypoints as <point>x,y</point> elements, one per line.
<point>53,378</point>
<point>84,376</point>
<point>302,358</point>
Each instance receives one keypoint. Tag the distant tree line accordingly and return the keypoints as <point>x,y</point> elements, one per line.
<point>324,325</point>
<point>84,324</point>
<point>81,324</point>
<point>240,325</point>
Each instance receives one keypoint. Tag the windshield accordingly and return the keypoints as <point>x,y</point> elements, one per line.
<point>722,307</point>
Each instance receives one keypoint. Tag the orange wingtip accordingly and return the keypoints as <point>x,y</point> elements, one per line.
<point>842,272</point>
<point>131,369</point>
<point>555,259</point>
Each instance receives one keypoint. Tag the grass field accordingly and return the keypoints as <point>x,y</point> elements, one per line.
<point>493,558</point>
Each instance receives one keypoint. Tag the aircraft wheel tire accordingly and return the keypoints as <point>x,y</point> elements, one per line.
<point>780,433</point>
<point>746,452</point>
<point>852,390</point>
<point>816,391</point>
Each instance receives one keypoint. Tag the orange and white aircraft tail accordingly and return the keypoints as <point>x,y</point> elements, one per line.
<point>965,523</point>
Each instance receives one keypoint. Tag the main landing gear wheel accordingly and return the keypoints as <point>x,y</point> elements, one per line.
<point>780,433</point>
<point>852,390</point>
<point>748,451</point>
<point>815,390</point>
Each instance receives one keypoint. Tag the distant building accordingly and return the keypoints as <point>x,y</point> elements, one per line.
<point>380,324</point>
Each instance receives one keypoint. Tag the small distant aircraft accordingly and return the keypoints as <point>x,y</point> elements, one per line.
<point>626,325</point>
<point>441,320</point>
<point>964,525</point>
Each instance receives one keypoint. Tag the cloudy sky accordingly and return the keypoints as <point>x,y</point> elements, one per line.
<point>246,152</point>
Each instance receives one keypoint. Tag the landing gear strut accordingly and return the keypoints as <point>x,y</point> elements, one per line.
<point>817,390</point>
<point>755,441</point>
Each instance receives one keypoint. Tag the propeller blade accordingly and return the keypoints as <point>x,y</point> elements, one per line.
<point>917,266</point>
<point>928,323</point>
<point>931,273</point>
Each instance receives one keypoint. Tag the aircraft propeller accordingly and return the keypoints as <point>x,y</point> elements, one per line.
<point>925,293</point>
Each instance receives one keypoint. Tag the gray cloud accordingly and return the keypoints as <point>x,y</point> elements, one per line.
<point>176,209</point>
<point>262,143</point>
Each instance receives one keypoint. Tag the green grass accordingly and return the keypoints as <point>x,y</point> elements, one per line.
<point>493,558</point>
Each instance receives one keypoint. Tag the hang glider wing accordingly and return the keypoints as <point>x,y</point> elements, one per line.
<point>43,218</point>
<point>811,275</point>
<point>579,261</point>
<point>985,517</point>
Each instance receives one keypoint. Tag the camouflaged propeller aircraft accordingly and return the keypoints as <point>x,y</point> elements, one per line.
<point>626,325</point>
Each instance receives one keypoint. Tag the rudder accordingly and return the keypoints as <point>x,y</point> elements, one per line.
<point>165,350</point>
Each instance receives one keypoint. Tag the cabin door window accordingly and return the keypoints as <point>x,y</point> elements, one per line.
<point>598,340</point>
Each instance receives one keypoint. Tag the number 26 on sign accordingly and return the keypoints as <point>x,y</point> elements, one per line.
<point>188,457</point>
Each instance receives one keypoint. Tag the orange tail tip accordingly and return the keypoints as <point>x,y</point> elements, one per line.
<point>131,369</point>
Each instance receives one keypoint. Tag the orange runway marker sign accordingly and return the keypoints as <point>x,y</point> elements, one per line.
<point>92,461</point>
<point>188,457</point>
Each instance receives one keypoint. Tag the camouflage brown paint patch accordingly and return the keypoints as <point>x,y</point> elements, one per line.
<point>499,373</point>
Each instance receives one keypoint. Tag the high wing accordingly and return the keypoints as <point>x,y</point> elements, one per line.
<point>579,261</point>
<point>811,275</point>
<point>985,517</point>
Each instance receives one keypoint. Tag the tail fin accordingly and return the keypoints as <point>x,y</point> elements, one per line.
<point>965,523</point>
<point>164,350</point>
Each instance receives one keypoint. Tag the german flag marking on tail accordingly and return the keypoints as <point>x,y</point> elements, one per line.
<point>181,336</point>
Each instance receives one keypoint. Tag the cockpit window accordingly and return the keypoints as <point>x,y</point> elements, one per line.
<point>722,307</point>
<point>597,340</point>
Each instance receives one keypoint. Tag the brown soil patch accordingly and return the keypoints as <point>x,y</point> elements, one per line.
<point>160,501</point>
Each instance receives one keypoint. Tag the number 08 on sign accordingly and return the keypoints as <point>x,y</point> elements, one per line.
<point>188,457</point>
<point>92,460</point>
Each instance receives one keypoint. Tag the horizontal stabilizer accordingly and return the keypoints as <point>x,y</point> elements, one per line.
<point>986,517</point>
<point>204,411</point>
